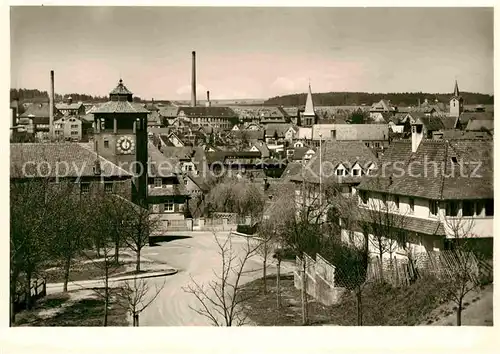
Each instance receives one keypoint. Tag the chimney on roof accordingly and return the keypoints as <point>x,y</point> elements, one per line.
<point>193,81</point>
<point>70,100</point>
<point>51,105</point>
<point>208,99</point>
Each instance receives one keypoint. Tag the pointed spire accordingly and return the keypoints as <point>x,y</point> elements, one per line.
<point>456,92</point>
<point>309,110</point>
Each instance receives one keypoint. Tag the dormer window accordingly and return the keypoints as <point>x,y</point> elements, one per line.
<point>158,182</point>
<point>454,160</point>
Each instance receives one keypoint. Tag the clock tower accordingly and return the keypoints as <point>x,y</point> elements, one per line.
<point>121,135</point>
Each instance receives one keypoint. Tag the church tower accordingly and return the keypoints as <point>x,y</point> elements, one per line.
<point>309,116</point>
<point>456,103</point>
<point>121,135</point>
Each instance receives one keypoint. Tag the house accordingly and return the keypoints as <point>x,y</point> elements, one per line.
<point>343,163</point>
<point>437,190</point>
<point>218,117</point>
<point>456,134</point>
<point>303,154</point>
<point>68,128</point>
<point>166,194</point>
<point>67,162</point>
<point>304,135</point>
<point>154,120</point>
<point>69,108</point>
<point>465,117</point>
<point>194,184</point>
<point>261,147</point>
<point>278,133</point>
<point>372,135</point>
<point>434,124</point>
<point>378,109</point>
<point>38,114</point>
<point>480,125</point>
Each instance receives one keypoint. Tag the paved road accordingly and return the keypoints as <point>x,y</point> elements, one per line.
<point>197,257</point>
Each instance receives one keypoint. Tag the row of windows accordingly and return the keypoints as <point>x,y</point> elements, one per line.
<point>85,187</point>
<point>166,207</point>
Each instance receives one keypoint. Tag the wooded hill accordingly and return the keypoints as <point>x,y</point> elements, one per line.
<point>363,98</point>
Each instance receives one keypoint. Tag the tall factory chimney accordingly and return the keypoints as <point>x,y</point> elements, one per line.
<point>193,81</point>
<point>208,99</point>
<point>51,105</point>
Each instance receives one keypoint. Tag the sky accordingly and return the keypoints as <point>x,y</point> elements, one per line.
<point>251,52</point>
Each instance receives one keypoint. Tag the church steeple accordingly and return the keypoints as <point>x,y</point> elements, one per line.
<point>456,92</point>
<point>309,109</point>
<point>456,103</point>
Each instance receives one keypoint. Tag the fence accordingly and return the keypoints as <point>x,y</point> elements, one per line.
<point>320,279</point>
<point>439,264</point>
<point>38,290</point>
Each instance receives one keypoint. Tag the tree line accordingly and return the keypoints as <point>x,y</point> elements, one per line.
<point>35,95</point>
<point>52,225</point>
<point>365,98</point>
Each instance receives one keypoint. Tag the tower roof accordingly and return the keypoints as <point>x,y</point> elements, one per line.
<point>309,110</point>
<point>121,89</point>
<point>456,92</point>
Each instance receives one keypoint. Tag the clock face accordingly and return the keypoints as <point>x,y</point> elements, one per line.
<point>125,145</point>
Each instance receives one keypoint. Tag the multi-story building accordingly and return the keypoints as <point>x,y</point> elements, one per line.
<point>68,128</point>
<point>439,190</point>
<point>71,109</point>
<point>217,117</point>
<point>38,116</point>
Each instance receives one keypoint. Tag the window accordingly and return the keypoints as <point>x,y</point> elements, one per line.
<point>489,207</point>
<point>454,160</point>
<point>396,201</point>
<point>452,208</point>
<point>339,172</point>
<point>364,196</point>
<point>355,172</point>
<point>433,207</point>
<point>169,206</point>
<point>377,145</point>
<point>185,182</point>
<point>74,126</point>
<point>106,144</point>
<point>84,188</point>
<point>367,144</point>
<point>158,183</point>
<point>411,202</point>
<point>73,132</point>
<point>479,208</point>
<point>108,187</point>
<point>468,208</point>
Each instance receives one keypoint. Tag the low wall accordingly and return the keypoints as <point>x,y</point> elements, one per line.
<point>320,280</point>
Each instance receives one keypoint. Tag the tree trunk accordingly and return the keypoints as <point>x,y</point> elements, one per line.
<point>13,290</point>
<point>67,264</point>
<point>304,293</point>
<point>117,251</point>
<point>136,320</point>
<point>359,306</point>
<point>106,295</point>
<point>278,290</point>
<point>28,291</point>
<point>264,269</point>
<point>138,260</point>
<point>459,313</point>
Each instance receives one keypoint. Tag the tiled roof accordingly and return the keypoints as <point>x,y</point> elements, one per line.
<point>199,111</point>
<point>120,107</point>
<point>292,169</point>
<point>299,152</point>
<point>468,135</point>
<point>198,180</point>
<point>466,116</point>
<point>423,226</point>
<point>161,165</point>
<point>362,132</point>
<point>72,106</point>
<point>168,112</point>
<point>347,153</point>
<point>262,147</point>
<point>431,123</point>
<point>181,153</point>
<point>177,189</point>
<point>476,124</point>
<point>421,179</point>
<point>249,134</point>
<point>120,89</point>
<point>279,129</point>
<point>79,161</point>
<point>39,110</point>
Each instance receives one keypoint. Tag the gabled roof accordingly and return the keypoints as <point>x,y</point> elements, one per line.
<point>467,135</point>
<point>348,153</point>
<point>120,107</point>
<point>364,132</point>
<point>465,117</point>
<point>39,110</point>
<point>73,160</point>
<point>169,112</point>
<point>262,147</point>
<point>292,170</point>
<point>446,181</point>
<point>181,153</point>
<point>279,129</point>
<point>71,106</point>
<point>300,152</point>
<point>478,124</point>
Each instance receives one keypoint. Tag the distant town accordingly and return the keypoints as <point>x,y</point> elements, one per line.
<point>354,213</point>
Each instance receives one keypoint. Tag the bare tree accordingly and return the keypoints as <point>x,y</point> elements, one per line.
<point>221,299</point>
<point>137,296</point>
<point>267,240</point>
<point>460,273</point>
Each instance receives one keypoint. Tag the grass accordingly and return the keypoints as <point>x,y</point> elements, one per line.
<point>83,312</point>
<point>382,305</point>
<point>82,271</point>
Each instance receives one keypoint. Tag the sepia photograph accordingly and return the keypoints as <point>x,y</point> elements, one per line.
<point>251,166</point>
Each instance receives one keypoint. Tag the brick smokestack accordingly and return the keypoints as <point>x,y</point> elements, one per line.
<point>208,99</point>
<point>51,105</point>
<point>193,81</point>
